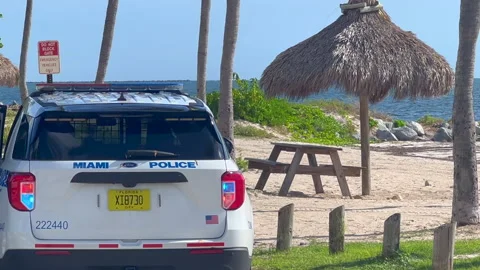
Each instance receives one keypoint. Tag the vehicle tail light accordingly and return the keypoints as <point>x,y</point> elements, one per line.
<point>21,191</point>
<point>233,190</point>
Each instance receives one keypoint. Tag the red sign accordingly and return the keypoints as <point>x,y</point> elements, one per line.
<point>48,57</point>
<point>48,48</point>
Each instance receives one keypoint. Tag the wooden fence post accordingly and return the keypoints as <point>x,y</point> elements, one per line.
<point>336,231</point>
<point>444,246</point>
<point>391,235</point>
<point>285,227</point>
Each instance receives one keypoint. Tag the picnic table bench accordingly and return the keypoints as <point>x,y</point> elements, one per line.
<point>271,165</point>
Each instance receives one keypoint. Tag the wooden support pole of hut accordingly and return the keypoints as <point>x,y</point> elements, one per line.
<point>365,144</point>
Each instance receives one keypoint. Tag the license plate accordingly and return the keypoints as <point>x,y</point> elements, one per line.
<point>129,200</point>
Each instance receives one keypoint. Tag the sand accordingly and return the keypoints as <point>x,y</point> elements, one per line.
<point>399,174</point>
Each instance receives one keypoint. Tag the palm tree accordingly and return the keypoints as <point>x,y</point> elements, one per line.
<point>465,208</point>
<point>1,44</point>
<point>108,32</point>
<point>22,82</point>
<point>225,107</point>
<point>202,51</point>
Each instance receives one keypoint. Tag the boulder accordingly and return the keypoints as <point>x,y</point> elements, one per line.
<point>405,134</point>
<point>443,135</point>
<point>381,125</point>
<point>445,125</point>
<point>417,127</point>
<point>385,135</point>
<point>389,125</point>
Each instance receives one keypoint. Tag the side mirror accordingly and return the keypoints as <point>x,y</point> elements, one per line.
<point>229,144</point>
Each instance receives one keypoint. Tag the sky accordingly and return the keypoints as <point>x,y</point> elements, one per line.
<point>158,39</point>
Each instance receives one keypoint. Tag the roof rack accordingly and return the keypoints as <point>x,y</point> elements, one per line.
<point>175,88</point>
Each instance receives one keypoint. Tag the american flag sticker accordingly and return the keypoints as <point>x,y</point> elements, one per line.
<point>213,219</point>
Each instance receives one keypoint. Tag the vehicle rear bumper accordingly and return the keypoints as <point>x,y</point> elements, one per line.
<point>159,259</point>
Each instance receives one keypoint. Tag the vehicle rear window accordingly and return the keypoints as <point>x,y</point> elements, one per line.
<point>150,136</point>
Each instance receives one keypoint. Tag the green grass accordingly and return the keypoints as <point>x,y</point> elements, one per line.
<point>399,123</point>
<point>335,106</point>
<point>8,124</point>
<point>429,120</point>
<point>344,108</point>
<point>250,131</point>
<point>413,255</point>
<point>242,164</point>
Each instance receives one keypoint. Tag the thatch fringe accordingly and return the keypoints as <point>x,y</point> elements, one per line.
<point>8,73</point>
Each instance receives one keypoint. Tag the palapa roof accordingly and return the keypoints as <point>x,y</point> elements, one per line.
<point>360,53</point>
<point>8,72</point>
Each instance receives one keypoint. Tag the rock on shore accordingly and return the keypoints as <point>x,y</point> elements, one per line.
<point>413,131</point>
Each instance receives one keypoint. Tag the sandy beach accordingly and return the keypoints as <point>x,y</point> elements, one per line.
<point>411,178</point>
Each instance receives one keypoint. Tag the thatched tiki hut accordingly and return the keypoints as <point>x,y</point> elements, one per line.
<point>366,55</point>
<point>8,73</point>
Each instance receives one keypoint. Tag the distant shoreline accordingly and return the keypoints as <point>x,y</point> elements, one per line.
<point>440,107</point>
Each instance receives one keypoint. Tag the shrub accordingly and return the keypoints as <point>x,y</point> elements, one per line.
<point>336,106</point>
<point>250,104</point>
<point>8,124</point>
<point>306,123</point>
<point>242,164</point>
<point>429,120</point>
<point>399,123</point>
<point>249,131</point>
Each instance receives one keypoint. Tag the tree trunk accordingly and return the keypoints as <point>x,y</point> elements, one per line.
<point>465,189</point>
<point>225,110</point>
<point>22,82</point>
<point>107,39</point>
<point>202,51</point>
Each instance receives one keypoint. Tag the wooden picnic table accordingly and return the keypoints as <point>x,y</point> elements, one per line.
<point>271,165</point>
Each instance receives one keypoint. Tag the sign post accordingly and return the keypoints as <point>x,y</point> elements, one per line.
<point>49,58</point>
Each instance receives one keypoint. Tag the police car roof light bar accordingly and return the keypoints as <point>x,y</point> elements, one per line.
<point>175,88</point>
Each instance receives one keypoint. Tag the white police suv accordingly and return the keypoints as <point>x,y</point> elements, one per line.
<point>120,177</point>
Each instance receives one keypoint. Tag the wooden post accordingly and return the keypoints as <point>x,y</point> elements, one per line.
<point>285,227</point>
<point>444,246</point>
<point>391,235</point>
<point>336,231</point>
<point>365,144</point>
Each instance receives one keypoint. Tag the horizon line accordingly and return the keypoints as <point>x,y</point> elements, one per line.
<point>182,80</point>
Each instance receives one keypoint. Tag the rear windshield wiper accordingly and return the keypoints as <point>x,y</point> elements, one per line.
<point>148,154</point>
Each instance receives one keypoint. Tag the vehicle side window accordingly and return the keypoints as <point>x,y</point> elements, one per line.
<point>20,147</point>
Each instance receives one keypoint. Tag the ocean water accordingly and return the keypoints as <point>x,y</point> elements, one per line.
<point>404,109</point>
